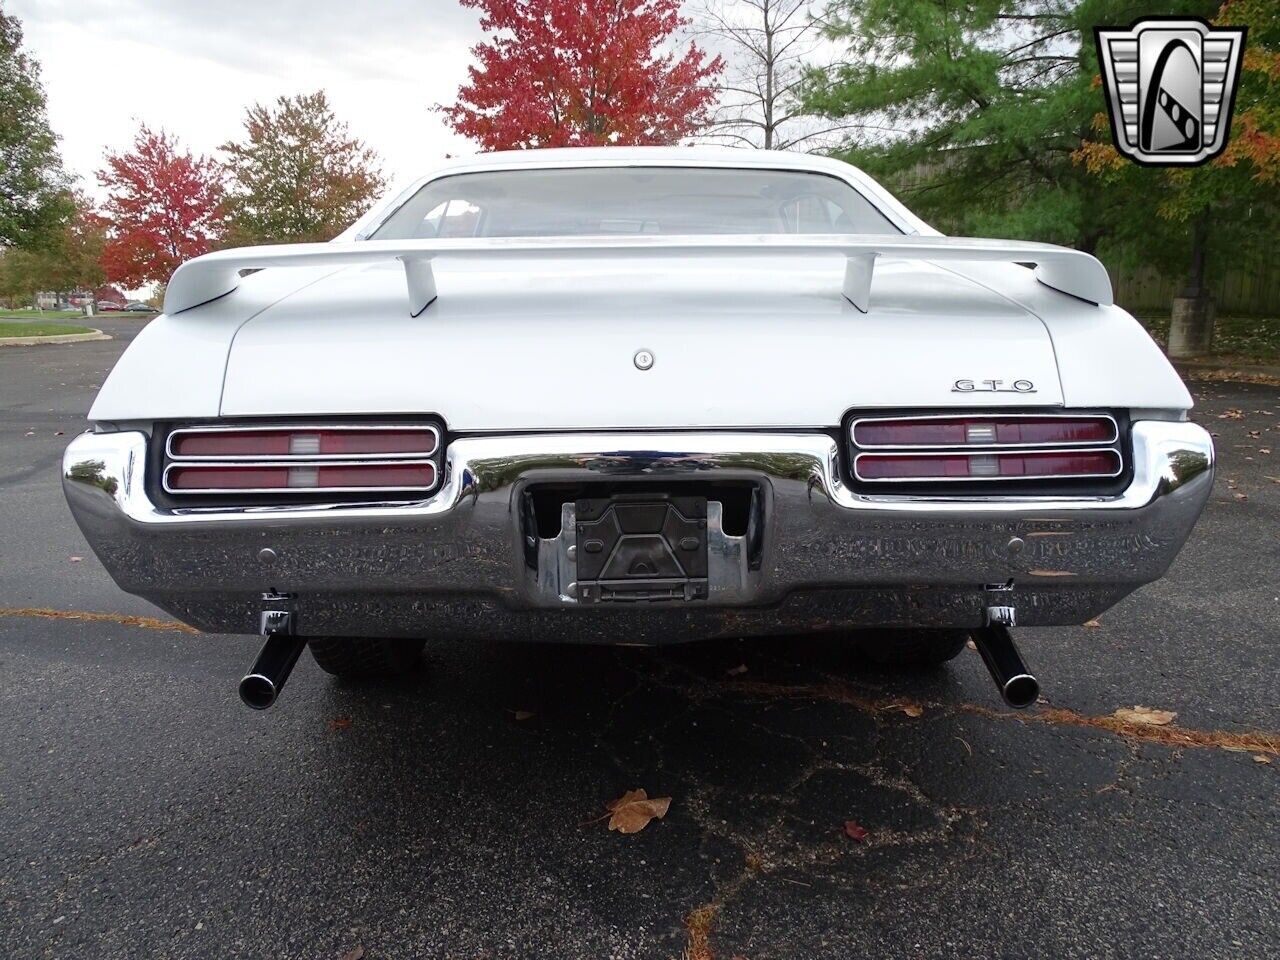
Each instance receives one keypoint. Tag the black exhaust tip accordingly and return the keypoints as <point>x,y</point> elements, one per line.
<point>266,678</point>
<point>1017,685</point>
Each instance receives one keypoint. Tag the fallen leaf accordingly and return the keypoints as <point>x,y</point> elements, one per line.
<point>522,715</point>
<point>75,559</point>
<point>1232,414</point>
<point>1093,624</point>
<point>1241,496</point>
<point>57,433</point>
<point>737,671</point>
<point>355,954</point>
<point>910,709</point>
<point>1261,758</point>
<point>339,723</point>
<point>632,811</point>
<point>29,433</point>
<point>855,831</point>
<point>1145,715</point>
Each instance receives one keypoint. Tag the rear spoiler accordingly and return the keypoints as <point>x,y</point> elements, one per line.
<point>217,274</point>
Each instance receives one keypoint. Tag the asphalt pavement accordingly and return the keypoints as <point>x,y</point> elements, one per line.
<point>145,813</point>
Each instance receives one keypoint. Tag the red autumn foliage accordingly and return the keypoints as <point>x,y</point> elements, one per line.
<point>164,206</point>
<point>565,73</point>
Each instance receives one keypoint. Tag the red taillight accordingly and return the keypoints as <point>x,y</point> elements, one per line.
<point>986,431</point>
<point>391,475</point>
<point>303,442</point>
<point>987,466</point>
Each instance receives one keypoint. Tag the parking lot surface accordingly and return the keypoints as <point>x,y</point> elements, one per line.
<point>145,813</point>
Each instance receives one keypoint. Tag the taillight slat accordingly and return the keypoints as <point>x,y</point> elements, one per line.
<point>993,430</point>
<point>282,477</point>
<point>303,442</point>
<point>1025,465</point>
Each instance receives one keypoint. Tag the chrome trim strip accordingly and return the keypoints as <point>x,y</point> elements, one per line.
<point>303,428</point>
<point>293,465</point>
<point>1166,455</point>
<point>853,429</point>
<point>987,451</point>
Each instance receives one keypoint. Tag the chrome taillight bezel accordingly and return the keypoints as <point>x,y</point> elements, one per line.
<point>163,460</point>
<point>1107,483</point>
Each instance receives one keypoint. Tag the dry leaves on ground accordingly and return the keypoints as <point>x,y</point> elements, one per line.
<point>522,715</point>
<point>1093,624</point>
<point>339,723</point>
<point>632,811</point>
<point>910,709</point>
<point>355,954</point>
<point>855,831</point>
<point>1145,715</point>
<point>737,671</point>
<point>1233,414</point>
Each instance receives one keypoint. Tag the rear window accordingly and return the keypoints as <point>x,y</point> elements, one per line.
<point>633,200</point>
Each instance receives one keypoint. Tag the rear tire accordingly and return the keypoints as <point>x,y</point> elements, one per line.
<point>911,649</point>
<point>363,658</point>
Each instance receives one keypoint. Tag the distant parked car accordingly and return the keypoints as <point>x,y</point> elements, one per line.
<point>109,305</point>
<point>137,306</point>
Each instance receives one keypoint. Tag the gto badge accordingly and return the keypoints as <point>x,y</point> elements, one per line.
<point>992,386</point>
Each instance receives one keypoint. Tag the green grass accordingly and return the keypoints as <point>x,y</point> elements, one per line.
<point>1240,339</point>
<point>40,314</point>
<point>8,329</point>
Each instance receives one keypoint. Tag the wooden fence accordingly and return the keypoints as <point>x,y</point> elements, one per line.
<point>1246,290</point>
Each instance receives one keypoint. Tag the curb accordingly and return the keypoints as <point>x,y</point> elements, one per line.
<point>1209,371</point>
<point>56,338</point>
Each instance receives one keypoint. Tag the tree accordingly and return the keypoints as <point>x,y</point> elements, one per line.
<point>766,44</point>
<point>35,196</point>
<point>988,100</point>
<point>299,176</point>
<point>71,260</point>
<point>1187,219</point>
<point>164,205</point>
<point>563,73</point>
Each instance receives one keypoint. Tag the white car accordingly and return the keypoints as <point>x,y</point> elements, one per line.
<point>638,395</point>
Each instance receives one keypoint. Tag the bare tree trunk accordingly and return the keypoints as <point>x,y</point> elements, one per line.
<point>1191,326</point>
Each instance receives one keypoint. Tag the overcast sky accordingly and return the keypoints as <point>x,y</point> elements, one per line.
<point>192,66</point>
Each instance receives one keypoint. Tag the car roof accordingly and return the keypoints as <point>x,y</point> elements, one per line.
<point>711,156</point>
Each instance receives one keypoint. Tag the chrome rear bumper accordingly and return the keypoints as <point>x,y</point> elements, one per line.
<point>456,565</point>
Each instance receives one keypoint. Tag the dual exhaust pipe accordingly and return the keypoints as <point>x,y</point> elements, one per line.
<point>266,678</point>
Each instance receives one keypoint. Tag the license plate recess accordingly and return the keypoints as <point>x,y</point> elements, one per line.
<point>641,548</point>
